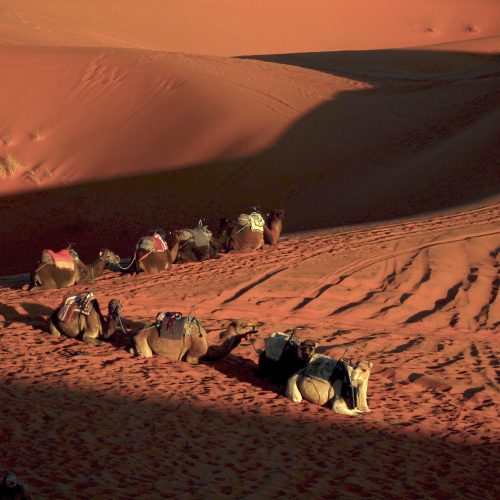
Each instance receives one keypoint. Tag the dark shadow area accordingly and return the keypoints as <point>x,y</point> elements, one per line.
<point>35,315</point>
<point>67,443</point>
<point>406,141</point>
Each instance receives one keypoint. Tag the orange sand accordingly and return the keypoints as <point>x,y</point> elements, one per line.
<point>118,117</point>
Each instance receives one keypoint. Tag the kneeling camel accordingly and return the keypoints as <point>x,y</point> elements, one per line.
<point>335,389</point>
<point>80,316</point>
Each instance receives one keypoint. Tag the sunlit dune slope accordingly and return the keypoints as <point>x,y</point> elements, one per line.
<point>235,27</point>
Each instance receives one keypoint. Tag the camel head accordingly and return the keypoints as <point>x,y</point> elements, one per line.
<point>276,214</point>
<point>114,308</point>
<point>238,327</point>
<point>109,257</point>
<point>361,373</point>
<point>307,349</point>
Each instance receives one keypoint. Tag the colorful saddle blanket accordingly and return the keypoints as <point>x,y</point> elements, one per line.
<point>275,345</point>
<point>174,326</point>
<point>62,260</point>
<point>81,304</point>
<point>254,220</point>
<point>154,243</point>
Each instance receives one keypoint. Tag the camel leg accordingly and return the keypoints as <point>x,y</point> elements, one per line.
<point>292,391</point>
<point>53,329</point>
<point>141,346</point>
<point>192,360</point>
<point>88,339</point>
<point>339,404</point>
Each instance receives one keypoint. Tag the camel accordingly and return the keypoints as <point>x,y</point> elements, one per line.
<point>243,236</point>
<point>284,355</point>
<point>187,340</point>
<point>82,317</point>
<point>334,389</point>
<point>48,275</point>
<point>153,255</point>
<point>273,227</point>
<point>196,245</point>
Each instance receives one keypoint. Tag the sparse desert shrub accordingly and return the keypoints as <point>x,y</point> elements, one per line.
<point>37,136</point>
<point>8,166</point>
<point>6,139</point>
<point>32,176</point>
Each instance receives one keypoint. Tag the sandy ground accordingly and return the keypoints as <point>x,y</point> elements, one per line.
<point>373,124</point>
<point>111,424</point>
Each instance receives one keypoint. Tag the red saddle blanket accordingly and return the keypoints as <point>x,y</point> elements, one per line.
<point>62,259</point>
<point>154,243</point>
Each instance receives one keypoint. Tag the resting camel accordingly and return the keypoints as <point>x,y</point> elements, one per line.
<point>333,391</point>
<point>273,227</point>
<point>89,324</point>
<point>196,245</point>
<point>293,356</point>
<point>191,342</point>
<point>153,255</point>
<point>242,236</point>
<point>48,275</point>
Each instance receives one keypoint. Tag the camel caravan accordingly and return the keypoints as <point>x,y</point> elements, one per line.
<point>287,361</point>
<point>158,250</point>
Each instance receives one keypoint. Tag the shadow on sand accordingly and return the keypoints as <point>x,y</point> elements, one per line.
<point>67,443</point>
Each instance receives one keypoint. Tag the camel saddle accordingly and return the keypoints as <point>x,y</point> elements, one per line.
<point>64,259</point>
<point>321,367</point>
<point>174,326</point>
<point>200,234</point>
<point>275,345</point>
<point>154,243</point>
<point>254,221</point>
<point>75,304</point>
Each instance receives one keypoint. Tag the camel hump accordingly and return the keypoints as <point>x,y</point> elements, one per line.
<point>254,220</point>
<point>62,259</point>
<point>153,243</point>
<point>73,304</point>
<point>175,326</point>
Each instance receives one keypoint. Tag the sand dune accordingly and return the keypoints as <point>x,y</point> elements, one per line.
<point>373,124</point>
<point>183,137</point>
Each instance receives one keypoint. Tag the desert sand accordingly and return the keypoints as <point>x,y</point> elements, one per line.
<point>373,124</point>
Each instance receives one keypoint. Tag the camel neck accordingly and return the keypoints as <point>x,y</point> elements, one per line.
<point>174,250</point>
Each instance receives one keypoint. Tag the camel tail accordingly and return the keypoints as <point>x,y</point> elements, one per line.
<point>292,391</point>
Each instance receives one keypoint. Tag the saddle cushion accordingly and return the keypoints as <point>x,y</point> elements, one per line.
<point>275,345</point>
<point>81,304</point>
<point>254,221</point>
<point>62,259</point>
<point>200,235</point>
<point>320,367</point>
<point>174,326</point>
